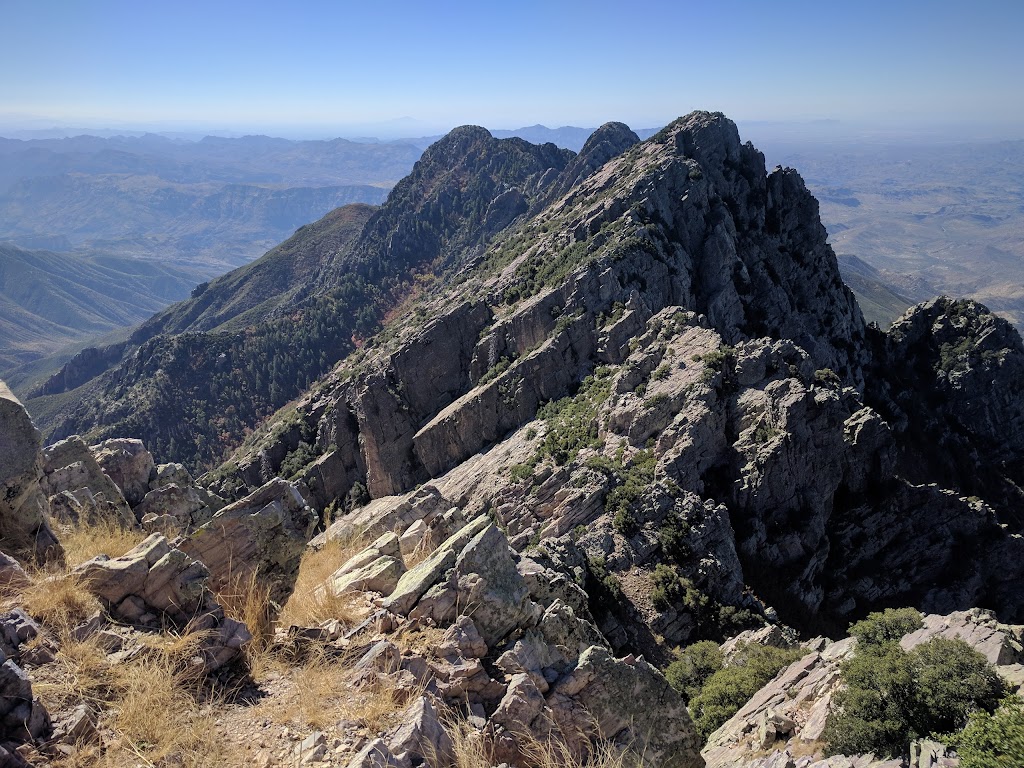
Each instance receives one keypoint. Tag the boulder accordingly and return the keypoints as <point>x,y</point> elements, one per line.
<point>70,466</point>
<point>128,464</point>
<point>22,716</point>
<point>24,529</point>
<point>154,584</point>
<point>173,507</point>
<point>979,628</point>
<point>12,576</point>
<point>630,702</point>
<point>264,533</point>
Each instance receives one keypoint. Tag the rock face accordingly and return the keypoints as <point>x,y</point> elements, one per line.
<point>24,528</point>
<point>263,534</point>
<point>72,468</point>
<point>128,464</point>
<point>551,668</point>
<point>948,379</point>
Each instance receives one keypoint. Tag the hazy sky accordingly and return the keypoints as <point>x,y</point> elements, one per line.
<point>236,64</point>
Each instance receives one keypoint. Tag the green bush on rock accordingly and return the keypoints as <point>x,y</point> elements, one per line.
<point>892,696</point>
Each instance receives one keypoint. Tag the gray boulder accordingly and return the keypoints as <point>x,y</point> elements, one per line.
<point>23,504</point>
<point>128,464</point>
<point>264,534</point>
<point>156,583</point>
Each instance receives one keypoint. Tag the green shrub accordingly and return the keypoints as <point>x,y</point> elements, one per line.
<point>297,460</point>
<point>731,687</point>
<point>953,681</point>
<point>635,478</point>
<point>693,666</point>
<point>886,626</point>
<point>892,697</point>
<point>993,741</point>
<point>520,472</point>
<point>672,536</point>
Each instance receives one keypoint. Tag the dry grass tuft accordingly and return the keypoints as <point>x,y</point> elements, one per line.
<point>472,749</point>
<point>97,536</point>
<point>152,707</point>
<point>309,604</point>
<point>246,600</point>
<point>61,602</point>
<point>322,691</point>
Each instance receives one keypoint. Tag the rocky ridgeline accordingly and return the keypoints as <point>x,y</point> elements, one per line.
<point>636,408</point>
<point>514,655</point>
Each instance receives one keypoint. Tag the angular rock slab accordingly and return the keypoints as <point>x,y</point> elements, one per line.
<point>265,533</point>
<point>156,583</point>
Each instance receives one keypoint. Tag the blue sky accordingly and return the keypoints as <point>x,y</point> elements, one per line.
<point>234,64</point>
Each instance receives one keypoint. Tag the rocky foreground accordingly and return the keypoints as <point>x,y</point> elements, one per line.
<point>465,637</point>
<point>634,408</point>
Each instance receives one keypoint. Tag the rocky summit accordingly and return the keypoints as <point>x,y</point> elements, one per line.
<point>551,459</point>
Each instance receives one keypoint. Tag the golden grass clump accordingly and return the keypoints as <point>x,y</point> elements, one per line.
<point>100,535</point>
<point>472,749</point>
<point>310,603</point>
<point>247,600</point>
<point>60,601</point>
<point>151,707</point>
<point>322,690</point>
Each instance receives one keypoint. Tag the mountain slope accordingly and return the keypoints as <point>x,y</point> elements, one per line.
<point>660,377</point>
<point>48,300</point>
<point>465,186</point>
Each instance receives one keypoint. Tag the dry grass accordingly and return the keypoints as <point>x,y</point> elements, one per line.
<point>423,550</point>
<point>321,691</point>
<point>98,536</point>
<point>59,601</point>
<point>309,604</point>
<point>152,707</point>
<point>247,600</point>
<point>473,750</point>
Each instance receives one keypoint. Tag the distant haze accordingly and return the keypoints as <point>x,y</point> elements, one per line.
<point>412,69</point>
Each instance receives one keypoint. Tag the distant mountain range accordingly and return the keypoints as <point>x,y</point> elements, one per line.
<point>910,221</point>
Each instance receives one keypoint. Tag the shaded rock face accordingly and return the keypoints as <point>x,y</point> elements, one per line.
<point>22,716</point>
<point>24,528</point>
<point>948,379</point>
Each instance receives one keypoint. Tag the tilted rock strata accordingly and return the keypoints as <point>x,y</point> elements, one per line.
<point>156,582</point>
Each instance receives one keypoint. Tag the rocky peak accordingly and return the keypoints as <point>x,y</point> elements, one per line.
<point>608,141</point>
<point>465,188</point>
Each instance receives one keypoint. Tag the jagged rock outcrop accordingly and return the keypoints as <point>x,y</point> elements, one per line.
<point>261,536</point>
<point>128,464</point>
<point>523,671</point>
<point>948,378</point>
<point>24,528</point>
<point>156,583</point>
<point>70,467</point>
